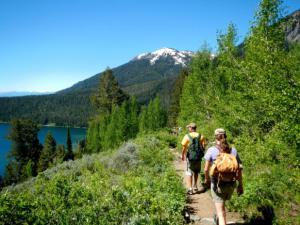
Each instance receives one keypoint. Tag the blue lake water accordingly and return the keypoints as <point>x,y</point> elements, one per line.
<point>59,133</point>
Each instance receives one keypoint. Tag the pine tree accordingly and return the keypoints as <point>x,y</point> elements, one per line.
<point>25,150</point>
<point>59,154</point>
<point>69,154</point>
<point>12,172</point>
<point>108,94</point>
<point>48,153</point>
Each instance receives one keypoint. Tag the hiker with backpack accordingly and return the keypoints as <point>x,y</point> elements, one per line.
<point>193,145</point>
<point>223,169</point>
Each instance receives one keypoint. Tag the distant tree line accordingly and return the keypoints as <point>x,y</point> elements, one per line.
<point>60,109</point>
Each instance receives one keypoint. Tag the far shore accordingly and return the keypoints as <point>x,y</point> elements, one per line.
<point>51,125</point>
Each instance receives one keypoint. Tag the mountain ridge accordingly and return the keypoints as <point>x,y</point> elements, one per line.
<point>71,106</point>
<point>125,77</point>
<point>22,93</point>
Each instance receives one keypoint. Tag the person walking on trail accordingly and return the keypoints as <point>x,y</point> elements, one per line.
<point>193,145</point>
<point>223,168</point>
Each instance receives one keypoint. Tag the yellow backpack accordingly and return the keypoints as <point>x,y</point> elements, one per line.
<point>225,167</point>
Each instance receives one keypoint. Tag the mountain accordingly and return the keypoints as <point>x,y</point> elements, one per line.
<point>22,93</point>
<point>292,28</point>
<point>145,76</point>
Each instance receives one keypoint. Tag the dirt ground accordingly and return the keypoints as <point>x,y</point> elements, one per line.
<point>200,207</point>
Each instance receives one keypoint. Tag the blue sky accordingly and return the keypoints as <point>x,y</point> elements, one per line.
<point>51,44</point>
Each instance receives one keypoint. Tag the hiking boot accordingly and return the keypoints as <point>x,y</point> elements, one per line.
<point>202,190</point>
<point>190,191</point>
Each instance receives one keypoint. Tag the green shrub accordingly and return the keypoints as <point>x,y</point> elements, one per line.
<point>135,184</point>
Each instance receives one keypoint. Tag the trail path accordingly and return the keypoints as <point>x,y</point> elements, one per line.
<point>199,207</point>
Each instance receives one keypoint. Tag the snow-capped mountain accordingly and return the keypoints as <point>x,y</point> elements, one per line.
<point>145,76</point>
<point>179,57</point>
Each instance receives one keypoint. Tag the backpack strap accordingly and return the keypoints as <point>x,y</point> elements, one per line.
<point>190,138</point>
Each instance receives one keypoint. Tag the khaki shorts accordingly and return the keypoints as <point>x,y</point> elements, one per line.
<point>223,192</point>
<point>192,167</point>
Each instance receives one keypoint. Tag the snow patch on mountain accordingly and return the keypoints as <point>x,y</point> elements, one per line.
<point>179,57</point>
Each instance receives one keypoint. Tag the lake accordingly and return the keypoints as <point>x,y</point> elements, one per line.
<point>59,133</point>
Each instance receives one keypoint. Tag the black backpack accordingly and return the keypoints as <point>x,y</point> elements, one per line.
<point>195,149</point>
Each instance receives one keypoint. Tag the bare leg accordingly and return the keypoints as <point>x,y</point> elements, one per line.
<point>189,181</point>
<point>195,179</point>
<point>220,208</point>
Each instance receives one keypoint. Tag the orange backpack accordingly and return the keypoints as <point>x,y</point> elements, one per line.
<point>225,167</point>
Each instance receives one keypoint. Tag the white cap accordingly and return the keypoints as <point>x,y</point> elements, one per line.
<point>219,131</point>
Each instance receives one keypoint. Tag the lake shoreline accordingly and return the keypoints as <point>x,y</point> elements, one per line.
<point>51,125</point>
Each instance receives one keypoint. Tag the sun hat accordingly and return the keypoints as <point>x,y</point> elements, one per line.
<point>219,131</point>
<point>192,125</point>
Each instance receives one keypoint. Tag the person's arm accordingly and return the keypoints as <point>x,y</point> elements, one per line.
<point>203,141</point>
<point>184,144</point>
<point>183,154</point>
<point>206,170</point>
<point>240,187</point>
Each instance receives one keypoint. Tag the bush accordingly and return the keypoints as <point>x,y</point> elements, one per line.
<point>136,184</point>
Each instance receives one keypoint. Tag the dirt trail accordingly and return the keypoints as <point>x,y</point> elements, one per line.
<point>200,208</point>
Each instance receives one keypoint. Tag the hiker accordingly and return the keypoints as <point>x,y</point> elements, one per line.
<point>220,176</point>
<point>193,145</point>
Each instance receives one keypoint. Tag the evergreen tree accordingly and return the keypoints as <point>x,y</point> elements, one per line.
<point>12,172</point>
<point>25,151</point>
<point>69,154</point>
<point>108,94</point>
<point>59,154</point>
<point>48,153</point>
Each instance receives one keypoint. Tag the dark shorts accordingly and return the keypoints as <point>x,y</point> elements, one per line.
<point>222,192</point>
<point>193,167</point>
